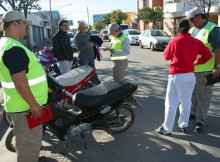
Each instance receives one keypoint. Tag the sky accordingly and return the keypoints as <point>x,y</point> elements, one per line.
<point>77,9</point>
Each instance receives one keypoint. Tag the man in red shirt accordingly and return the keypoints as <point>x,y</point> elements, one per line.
<point>182,52</point>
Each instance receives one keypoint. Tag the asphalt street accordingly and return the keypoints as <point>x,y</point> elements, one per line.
<point>140,143</point>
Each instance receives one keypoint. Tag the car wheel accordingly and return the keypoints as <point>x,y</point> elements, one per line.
<point>152,47</point>
<point>141,45</point>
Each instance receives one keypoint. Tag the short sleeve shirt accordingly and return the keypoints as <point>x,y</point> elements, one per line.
<point>16,60</point>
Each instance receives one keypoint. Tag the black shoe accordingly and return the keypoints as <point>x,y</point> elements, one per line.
<point>160,130</point>
<point>192,116</point>
<point>199,127</point>
<point>184,129</point>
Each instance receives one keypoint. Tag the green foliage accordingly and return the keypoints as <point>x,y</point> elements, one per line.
<point>106,19</point>
<point>99,25</point>
<point>150,15</point>
<point>118,16</point>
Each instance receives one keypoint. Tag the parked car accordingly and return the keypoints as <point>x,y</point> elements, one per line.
<point>133,35</point>
<point>104,35</point>
<point>94,32</point>
<point>71,35</point>
<point>154,39</point>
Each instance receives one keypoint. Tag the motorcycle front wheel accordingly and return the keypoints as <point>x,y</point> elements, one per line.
<point>10,141</point>
<point>125,118</point>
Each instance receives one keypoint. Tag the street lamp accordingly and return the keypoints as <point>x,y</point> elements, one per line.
<point>64,6</point>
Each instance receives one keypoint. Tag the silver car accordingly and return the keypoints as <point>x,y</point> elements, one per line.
<point>133,35</point>
<point>154,39</point>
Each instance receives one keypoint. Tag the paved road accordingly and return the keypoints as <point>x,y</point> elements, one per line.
<point>140,143</point>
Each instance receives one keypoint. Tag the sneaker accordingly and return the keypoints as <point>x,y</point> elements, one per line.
<point>184,129</point>
<point>199,127</point>
<point>160,130</point>
<point>192,116</point>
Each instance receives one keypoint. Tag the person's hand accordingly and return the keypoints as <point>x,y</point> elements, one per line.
<point>36,111</point>
<point>91,44</point>
<point>109,49</point>
<point>215,72</point>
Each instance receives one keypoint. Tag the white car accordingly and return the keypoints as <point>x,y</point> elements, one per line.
<point>133,35</point>
<point>154,39</point>
<point>71,35</point>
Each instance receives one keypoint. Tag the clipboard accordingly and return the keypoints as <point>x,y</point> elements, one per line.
<point>46,116</point>
<point>210,80</point>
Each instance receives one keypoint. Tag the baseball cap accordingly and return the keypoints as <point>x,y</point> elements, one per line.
<point>14,15</point>
<point>193,12</point>
<point>112,27</point>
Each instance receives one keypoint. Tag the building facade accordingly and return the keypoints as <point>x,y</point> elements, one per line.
<point>175,10</point>
<point>151,4</point>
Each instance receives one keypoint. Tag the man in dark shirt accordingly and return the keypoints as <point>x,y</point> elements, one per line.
<point>61,47</point>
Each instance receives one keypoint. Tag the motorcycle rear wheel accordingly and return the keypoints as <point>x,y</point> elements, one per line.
<point>10,141</point>
<point>125,117</point>
<point>6,118</point>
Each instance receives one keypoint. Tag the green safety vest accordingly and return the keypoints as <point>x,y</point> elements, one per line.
<point>116,44</point>
<point>203,35</point>
<point>36,79</point>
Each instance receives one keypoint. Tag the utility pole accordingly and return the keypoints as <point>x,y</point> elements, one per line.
<point>219,14</point>
<point>51,19</point>
<point>88,16</point>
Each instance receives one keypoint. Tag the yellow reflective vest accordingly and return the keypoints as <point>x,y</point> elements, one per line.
<point>203,35</point>
<point>36,79</point>
<point>116,44</point>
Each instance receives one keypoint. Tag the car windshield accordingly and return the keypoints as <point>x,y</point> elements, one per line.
<point>159,33</point>
<point>133,32</point>
<point>94,32</point>
<point>71,35</point>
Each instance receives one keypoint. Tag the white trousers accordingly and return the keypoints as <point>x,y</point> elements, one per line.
<point>179,93</point>
<point>64,66</point>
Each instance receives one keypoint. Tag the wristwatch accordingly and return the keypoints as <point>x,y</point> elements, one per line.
<point>217,66</point>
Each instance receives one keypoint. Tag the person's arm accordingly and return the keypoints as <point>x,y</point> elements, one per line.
<point>168,54</point>
<point>21,85</point>
<point>56,46</point>
<point>81,43</point>
<point>215,42</point>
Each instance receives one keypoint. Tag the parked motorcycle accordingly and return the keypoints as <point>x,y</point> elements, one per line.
<point>73,81</point>
<point>48,61</point>
<point>106,106</point>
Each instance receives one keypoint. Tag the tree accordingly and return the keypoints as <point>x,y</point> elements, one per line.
<point>22,6</point>
<point>99,25</point>
<point>150,15</point>
<point>106,19</point>
<point>118,16</point>
<point>203,4</point>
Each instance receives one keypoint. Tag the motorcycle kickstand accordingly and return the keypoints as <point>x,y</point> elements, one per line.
<point>83,137</point>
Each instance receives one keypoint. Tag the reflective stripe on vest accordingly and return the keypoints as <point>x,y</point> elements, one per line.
<point>119,58</point>
<point>30,82</point>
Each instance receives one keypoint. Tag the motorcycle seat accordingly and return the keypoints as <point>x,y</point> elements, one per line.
<point>74,76</point>
<point>104,94</point>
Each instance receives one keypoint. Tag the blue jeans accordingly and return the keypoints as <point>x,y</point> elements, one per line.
<point>90,62</point>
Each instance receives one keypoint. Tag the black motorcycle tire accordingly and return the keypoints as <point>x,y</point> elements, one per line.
<point>9,141</point>
<point>119,112</point>
<point>6,118</point>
